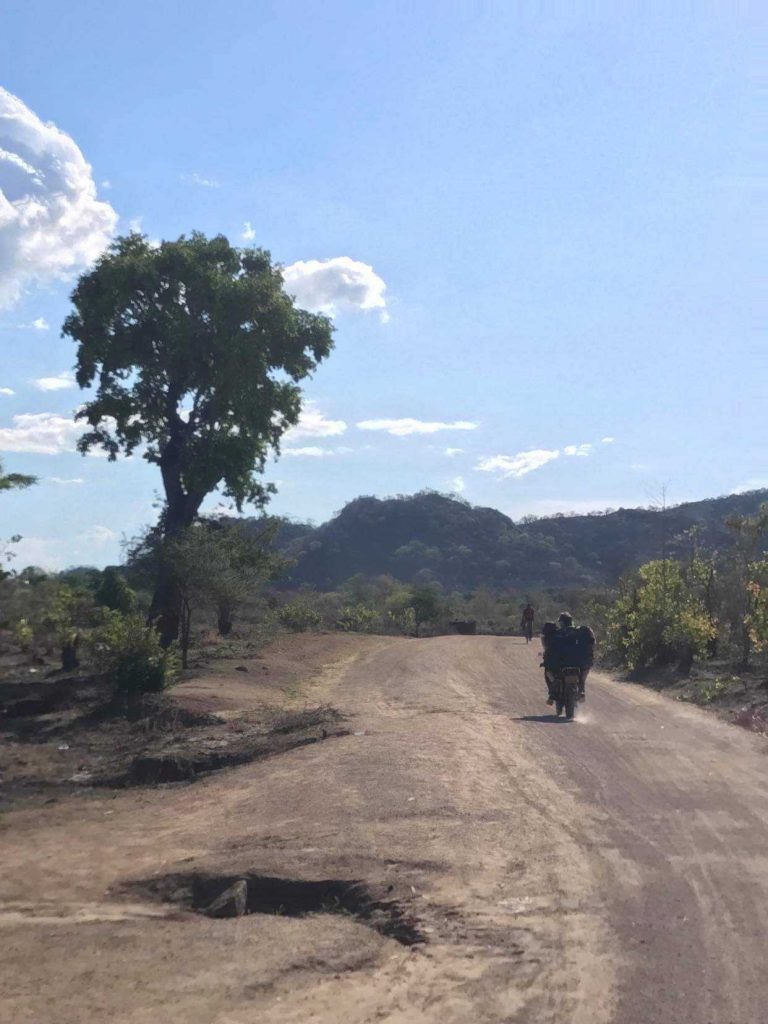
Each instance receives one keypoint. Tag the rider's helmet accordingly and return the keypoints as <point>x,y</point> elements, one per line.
<point>565,620</point>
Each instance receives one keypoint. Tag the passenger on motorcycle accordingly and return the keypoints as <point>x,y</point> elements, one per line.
<point>567,646</point>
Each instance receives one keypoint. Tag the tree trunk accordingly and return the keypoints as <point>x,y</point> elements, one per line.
<point>69,659</point>
<point>224,619</point>
<point>186,633</point>
<point>165,612</point>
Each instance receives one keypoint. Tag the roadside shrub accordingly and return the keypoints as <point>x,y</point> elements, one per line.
<point>299,617</point>
<point>129,652</point>
<point>358,618</point>
<point>403,620</point>
<point>23,634</point>
<point>658,620</point>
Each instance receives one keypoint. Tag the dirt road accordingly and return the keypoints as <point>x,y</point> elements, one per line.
<point>614,869</point>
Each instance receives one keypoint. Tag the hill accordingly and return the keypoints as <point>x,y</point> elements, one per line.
<point>434,536</point>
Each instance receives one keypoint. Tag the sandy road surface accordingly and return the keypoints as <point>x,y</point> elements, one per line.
<point>609,870</point>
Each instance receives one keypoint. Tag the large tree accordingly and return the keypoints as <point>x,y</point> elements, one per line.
<point>196,353</point>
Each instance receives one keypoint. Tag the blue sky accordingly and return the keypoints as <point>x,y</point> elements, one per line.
<point>536,227</point>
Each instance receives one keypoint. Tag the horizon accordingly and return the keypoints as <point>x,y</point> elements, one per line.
<point>535,235</point>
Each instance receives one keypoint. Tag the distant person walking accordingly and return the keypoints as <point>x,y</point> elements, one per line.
<point>526,623</point>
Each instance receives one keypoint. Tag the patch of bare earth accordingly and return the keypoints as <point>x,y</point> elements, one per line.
<point>61,735</point>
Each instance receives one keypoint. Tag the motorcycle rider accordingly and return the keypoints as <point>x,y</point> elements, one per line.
<point>526,622</point>
<point>566,645</point>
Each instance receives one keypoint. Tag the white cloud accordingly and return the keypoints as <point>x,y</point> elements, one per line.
<point>51,223</point>
<point>311,452</point>
<point>755,483</point>
<point>564,506</point>
<point>406,426</point>
<point>450,452</point>
<point>607,440</point>
<point>40,324</point>
<point>58,383</point>
<point>312,423</point>
<point>517,465</point>
<point>197,179</point>
<point>106,183</point>
<point>249,232</point>
<point>64,480</point>
<point>39,551</point>
<point>458,485</point>
<point>7,391</point>
<point>336,285</point>
<point>43,433</point>
<point>581,450</point>
<point>97,536</point>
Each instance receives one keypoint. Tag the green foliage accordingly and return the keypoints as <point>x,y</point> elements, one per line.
<point>217,564</point>
<point>757,619</point>
<point>358,618</point>
<point>196,352</point>
<point>427,605</point>
<point>114,593</point>
<point>130,653</point>
<point>657,618</point>
<point>63,614</point>
<point>15,481</point>
<point>299,616</point>
<point>403,620</point>
<point>23,634</point>
<point>707,691</point>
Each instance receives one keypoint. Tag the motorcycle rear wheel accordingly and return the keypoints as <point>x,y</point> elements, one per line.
<point>570,701</point>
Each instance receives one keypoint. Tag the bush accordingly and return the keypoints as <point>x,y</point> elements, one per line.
<point>299,617</point>
<point>113,592</point>
<point>129,652</point>
<point>403,620</point>
<point>358,618</point>
<point>23,634</point>
<point>658,619</point>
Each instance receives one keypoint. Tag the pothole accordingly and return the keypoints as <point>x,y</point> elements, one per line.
<point>286,897</point>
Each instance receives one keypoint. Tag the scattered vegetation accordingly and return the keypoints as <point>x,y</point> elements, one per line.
<point>130,653</point>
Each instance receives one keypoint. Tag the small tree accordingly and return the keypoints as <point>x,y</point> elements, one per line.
<point>129,652</point>
<point>196,352</point>
<point>427,605</point>
<point>217,564</point>
<point>758,599</point>
<point>113,592</point>
<point>748,534</point>
<point>659,620</point>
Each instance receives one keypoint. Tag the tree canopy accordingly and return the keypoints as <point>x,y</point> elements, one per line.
<point>196,353</point>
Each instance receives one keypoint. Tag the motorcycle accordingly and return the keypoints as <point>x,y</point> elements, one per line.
<point>564,685</point>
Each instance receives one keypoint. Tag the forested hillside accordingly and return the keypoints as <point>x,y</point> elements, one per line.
<point>430,536</point>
